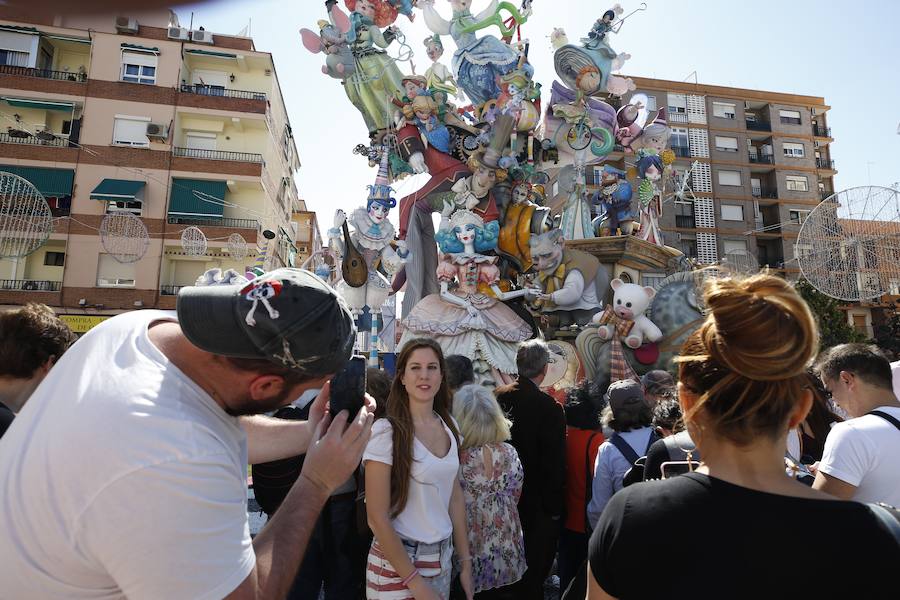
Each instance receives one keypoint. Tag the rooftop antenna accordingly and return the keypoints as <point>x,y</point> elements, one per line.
<point>694,75</point>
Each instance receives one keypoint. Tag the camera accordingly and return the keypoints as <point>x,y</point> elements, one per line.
<point>348,388</point>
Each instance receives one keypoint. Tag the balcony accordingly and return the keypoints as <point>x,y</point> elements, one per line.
<point>825,163</point>
<point>754,125</point>
<point>820,131</point>
<point>41,138</point>
<point>677,117</point>
<point>761,159</point>
<point>30,285</point>
<point>763,193</point>
<point>214,90</point>
<point>685,222</point>
<point>244,157</point>
<point>214,222</point>
<point>43,73</point>
<point>170,290</point>
<point>681,151</point>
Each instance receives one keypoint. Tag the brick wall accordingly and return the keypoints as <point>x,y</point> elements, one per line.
<point>222,103</point>
<point>110,298</point>
<point>155,227</point>
<point>220,41</point>
<point>126,157</point>
<point>40,84</point>
<point>19,298</point>
<point>227,167</point>
<point>30,152</point>
<point>131,92</point>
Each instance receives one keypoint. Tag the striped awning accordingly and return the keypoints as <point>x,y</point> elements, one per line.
<point>40,104</point>
<point>136,48</point>
<point>117,190</point>
<point>199,52</point>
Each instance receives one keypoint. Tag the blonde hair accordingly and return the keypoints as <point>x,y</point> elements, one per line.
<point>474,161</point>
<point>481,421</point>
<point>419,103</point>
<point>747,362</point>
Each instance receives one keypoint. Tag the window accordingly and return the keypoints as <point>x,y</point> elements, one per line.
<point>732,212</point>
<point>730,178</point>
<point>723,110</point>
<point>67,127</point>
<point>793,149</point>
<point>55,259</point>
<point>13,58</point>
<point>652,279</point>
<point>802,250</point>
<point>797,216</point>
<point>726,144</point>
<point>139,67</point>
<point>677,103</point>
<point>734,247</point>
<point>131,131</point>
<point>679,137</point>
<point>689,248</point>
<point>790,117</point>
<point>134,207</point>
<point>200,141</point>
<point>797,183</point>
<point>651,103</point>
<point>112,273</point>
<point>684,215</point>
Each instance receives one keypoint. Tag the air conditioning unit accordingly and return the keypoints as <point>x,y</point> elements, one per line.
<point>201,37</point>
<point>157,130</point>
<point>178,33</point>
<point>126,25</point>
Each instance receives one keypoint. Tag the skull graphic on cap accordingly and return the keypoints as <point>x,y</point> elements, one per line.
<point>261,291</point>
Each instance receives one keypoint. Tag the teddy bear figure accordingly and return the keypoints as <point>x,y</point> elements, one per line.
<point>626,313</point>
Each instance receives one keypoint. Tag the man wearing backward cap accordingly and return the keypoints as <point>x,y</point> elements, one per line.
<point>127,474</point>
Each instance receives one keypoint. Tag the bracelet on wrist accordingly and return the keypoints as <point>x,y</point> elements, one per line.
<point>408,579</point>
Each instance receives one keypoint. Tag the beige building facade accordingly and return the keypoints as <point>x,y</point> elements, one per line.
<point>135,114</point>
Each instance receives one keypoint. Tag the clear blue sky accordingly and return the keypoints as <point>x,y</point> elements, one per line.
<point>846,52</point>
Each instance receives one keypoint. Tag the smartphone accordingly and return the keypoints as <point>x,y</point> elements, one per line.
<point>677,467</point>
<point>348,387</point>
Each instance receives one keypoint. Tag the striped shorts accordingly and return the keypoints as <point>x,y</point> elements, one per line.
<point>432,561</point>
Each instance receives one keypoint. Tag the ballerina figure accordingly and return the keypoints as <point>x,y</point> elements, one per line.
<point>467,320</point>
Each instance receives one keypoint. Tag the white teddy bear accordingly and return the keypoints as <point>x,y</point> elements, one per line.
<point>630,301</point>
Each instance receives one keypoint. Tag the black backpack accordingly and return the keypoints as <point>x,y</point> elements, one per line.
<point>273,480</point>
<point>636,472</point>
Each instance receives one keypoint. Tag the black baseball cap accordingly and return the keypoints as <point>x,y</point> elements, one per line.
<point>290,317</point>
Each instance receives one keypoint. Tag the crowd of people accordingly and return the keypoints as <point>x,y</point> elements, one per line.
<point>124,470</point>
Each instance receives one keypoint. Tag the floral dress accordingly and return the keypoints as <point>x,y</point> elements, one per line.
<point>495,532</point>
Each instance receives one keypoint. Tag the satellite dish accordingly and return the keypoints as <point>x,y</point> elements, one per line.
<point>849,245</point>
<point>25,218</point>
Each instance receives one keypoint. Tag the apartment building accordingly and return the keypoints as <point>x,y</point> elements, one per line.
<point>134,113</point>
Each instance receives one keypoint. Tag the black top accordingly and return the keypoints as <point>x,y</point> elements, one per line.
<point>666,450</point>
<point>694,536</point>
<point>539,437</point>
<point>6,418</point>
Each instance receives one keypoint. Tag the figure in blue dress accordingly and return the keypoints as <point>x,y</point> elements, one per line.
<point>478,63</point>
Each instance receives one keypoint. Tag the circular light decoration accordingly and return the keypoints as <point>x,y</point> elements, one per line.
<point>124,236</point>
<point>236,246</point>
<point>849,245</point>
<point>25,218</point>
<point>740,262</point>
<point>193,241</point>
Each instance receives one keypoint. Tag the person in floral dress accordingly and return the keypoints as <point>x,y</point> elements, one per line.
<point>491,476</point>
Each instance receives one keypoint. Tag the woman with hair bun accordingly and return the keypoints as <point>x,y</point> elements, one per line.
<point>739,523</point>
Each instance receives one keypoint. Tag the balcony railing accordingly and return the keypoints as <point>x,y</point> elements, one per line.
<point>212,90</point>
<point>685,222</point>
<point>677,117</point>
<point>824,163</point>
<point>755,125</point>
<point>820,131</point>
<point>43,73</point>
<point>30,285</point>
<point>18,136</point>
<point>763,193</point>
<point>213,222</point>
<point>170,290</point>
<point>762,159</point>
<point>681,151</point>
<point>218,155</point>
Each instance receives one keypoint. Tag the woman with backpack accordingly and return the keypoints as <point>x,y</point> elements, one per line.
<point>414,501</point>
<point>738,525</point>
<point>631,418</point>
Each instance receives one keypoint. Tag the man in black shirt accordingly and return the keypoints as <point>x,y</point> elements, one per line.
<point>32,339</point>
<point>539,437</point>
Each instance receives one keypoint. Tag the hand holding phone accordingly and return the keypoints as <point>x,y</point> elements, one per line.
<point>348,388</point>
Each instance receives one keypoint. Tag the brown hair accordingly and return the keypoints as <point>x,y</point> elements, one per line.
<point>29,337</point>
<point>401,421</point>
<point>378,385</point>
<point>748,360</point>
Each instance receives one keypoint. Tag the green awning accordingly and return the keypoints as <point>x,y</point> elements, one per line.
<point>210,53</point>
<point>154,50</point>
<point>117,190</point>
<point>197,197</point>
<point>18,29</point>
<point>65,38</point>
<point>40,104</point>
<point>52,183</point>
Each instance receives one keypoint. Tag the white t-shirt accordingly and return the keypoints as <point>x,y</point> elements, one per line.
<point>865,452</point>
<point>123,478</point>
<point>426,516</point>
<point>895,373</point>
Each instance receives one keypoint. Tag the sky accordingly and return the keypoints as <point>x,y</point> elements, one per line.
<point>842,51</point>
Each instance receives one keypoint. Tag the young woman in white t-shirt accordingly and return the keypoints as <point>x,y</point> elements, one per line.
<point>414,502</point>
